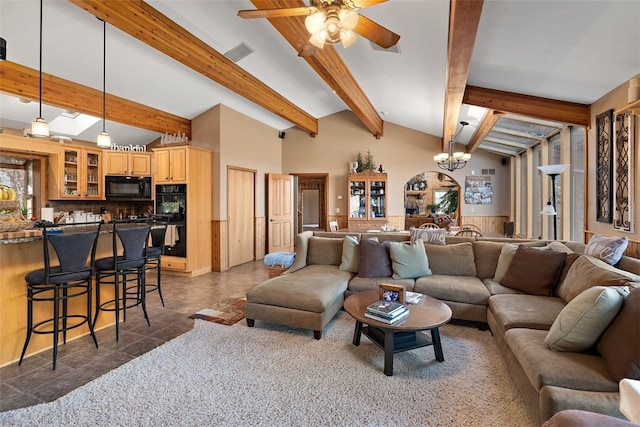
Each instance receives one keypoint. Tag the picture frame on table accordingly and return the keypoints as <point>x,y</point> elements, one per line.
<point>390,292</point>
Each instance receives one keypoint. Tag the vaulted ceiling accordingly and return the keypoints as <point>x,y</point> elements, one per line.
<point>516,60</point>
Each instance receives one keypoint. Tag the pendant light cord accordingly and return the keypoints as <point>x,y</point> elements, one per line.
<point>104,74</point>
<point>40,74</point>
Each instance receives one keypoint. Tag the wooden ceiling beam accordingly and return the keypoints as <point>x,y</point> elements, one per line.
<point>490,119</point>
<point>527,105</point>
<point>328,64</point>
<point>464,18</point>
<point>148,25</point>
<point>23,82</point>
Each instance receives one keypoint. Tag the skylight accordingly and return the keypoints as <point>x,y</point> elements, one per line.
<point>72,124</point>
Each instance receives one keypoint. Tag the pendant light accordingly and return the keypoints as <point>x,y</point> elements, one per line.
<point>104,140</point>
<point>453,160</point>
<point>40,127</point>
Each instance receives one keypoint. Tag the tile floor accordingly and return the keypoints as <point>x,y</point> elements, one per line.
<point>80,362</point>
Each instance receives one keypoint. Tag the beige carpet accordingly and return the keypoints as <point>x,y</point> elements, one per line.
<point>270,375</point>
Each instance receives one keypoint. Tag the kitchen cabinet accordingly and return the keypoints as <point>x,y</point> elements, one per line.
<point>127,163</point>
<point>367,200</point>
<point>194,167</point>
<point>78,174</point>
<point>171,164</point>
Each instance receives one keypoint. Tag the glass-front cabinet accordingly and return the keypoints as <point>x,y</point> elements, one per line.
<point>81,175</point>
<point>367,200</point>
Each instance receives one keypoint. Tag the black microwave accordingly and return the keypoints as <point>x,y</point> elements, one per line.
<point>127,187</point>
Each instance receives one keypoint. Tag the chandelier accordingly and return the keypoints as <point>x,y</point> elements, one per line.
<point>332,25</point>
<point>453,160</point>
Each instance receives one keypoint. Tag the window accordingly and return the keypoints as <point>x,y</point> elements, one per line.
<point>522,196</point>
<point>577,183</point>
<point>17,172</point>
<point>536,187</point>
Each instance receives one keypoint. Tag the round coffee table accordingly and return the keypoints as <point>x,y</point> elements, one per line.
<point>428,315</point>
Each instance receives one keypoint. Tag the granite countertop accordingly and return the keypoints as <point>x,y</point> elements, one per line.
<point>20,236</point>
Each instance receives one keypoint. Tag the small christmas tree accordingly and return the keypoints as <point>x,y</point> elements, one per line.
<point>369,164</point>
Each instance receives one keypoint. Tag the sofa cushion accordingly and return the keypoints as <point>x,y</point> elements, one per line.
<point>588,271</point>
<point>441,257</point>
<point>545,367</point>
<point>495,288</point>
<point>350,254</point>
<point>486,253</point>
<point>620,343</point>
<point>578,418</point>
<point>313,288</point>
<point>580,323</point>
<point>464,289</point>
<point>525,311</point>
<point>302,248</point>
<point>504,260</point>
<point>608,249</point>
<point>534,271</point>
<point>409,260</point>
<point>374,260</point>
<point>428,235</point>
<point>324,251</point>
<point>359,284</point>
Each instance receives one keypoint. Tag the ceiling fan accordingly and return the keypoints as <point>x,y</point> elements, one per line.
<point>332,21</point>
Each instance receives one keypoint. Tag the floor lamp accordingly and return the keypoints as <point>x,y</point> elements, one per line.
<point>550,209</point>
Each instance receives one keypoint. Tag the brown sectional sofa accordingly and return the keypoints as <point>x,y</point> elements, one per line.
<point>313,290</point>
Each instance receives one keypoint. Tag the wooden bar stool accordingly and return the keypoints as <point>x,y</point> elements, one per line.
<point>75,248</point>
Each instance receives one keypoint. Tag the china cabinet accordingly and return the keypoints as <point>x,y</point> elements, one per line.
<point>367,200</point>
<point>79,174</point>
<point>171,164</point>
<point>128,163</point>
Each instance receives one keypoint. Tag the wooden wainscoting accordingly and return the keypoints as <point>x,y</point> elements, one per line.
<point>633,249</point>
<point>219,243</point>
<point>261,237</point>
<point>488,224</point>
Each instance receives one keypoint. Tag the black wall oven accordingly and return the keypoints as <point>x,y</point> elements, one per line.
<point>171,199</point>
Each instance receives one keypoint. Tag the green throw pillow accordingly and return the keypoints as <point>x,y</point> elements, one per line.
<point>350,254</point>
<point>409,260</point>
<point>580,323</point>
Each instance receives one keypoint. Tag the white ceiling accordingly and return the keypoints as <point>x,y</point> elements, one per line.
<point>565,49</point>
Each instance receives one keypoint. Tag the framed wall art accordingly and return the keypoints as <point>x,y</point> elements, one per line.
<point>623,155</point>
<point>604,167</point>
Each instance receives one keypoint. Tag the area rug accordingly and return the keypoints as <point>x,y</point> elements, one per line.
<point>273,375</point>
<point>226,312</point>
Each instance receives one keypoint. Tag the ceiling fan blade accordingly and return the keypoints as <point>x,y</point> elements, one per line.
<point>361,4</point>
<point>376,33</point>
<point>307,49</point>
<point>277,13</point>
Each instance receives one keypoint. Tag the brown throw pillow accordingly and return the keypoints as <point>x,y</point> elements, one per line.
<point>587,272</point>
<point>620,342</point>
<point>375,259</point>
<point>534,271</point>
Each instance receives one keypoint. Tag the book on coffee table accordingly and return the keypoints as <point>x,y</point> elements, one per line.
<point>388,320</point>
<point>386,308</point>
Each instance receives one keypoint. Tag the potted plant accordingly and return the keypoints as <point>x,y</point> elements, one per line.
<point>432,207</point>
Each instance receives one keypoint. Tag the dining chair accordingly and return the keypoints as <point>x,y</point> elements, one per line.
<point>470,227</point>
<point>429,225</point>
<point>469,233</point>
<point>133,237</point>
<point>75,249</point>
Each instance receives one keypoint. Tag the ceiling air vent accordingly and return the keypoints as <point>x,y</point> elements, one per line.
<point>239,52</point>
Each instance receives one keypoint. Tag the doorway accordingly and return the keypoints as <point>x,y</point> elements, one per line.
<point>311,210</point>
<point>312,184</point>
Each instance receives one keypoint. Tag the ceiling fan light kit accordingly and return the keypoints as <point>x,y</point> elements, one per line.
<point>453,160</point>
<point>334,26</point>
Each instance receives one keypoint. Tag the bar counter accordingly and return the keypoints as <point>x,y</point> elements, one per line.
<point>20,253</point>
